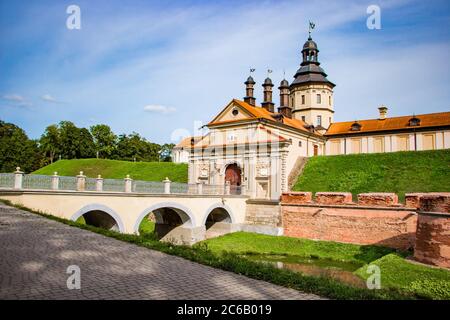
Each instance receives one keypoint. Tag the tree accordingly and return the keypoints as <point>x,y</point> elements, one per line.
<point>76,143</point>
<point>166,152</point>
<point>17,150</point>
<point>104,140</point>
<point>50,142</point>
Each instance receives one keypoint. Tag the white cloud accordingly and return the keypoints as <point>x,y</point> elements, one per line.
<point>13,97</point>
<point>154,108</point>
<point>49,98</point>
<point>17,100</point>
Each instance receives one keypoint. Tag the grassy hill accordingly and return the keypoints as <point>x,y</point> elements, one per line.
<point>114,169</point>
<point>400,172</point>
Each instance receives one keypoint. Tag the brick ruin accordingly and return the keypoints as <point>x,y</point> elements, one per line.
<point>422,223</point>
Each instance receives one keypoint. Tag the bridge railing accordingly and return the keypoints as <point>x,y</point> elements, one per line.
<point>20,181</point>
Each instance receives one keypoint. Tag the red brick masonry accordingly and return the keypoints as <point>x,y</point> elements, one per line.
<point>377,218</point>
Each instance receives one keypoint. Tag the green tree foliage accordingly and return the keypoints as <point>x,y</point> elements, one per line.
<point>66,141</point>
<point>17,150</point>
<point>133,147</point>
<point>50,142</point>
<point>104,140</point>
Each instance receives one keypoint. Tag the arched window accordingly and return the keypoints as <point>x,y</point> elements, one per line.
<point>319,98</point>
<point>303,99</point>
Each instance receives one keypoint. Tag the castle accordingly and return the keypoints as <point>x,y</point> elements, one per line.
<point>258,149</point>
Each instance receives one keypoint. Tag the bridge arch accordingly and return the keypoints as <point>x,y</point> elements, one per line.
<point>100,208</point>
<point>218,220</point>
<point>185,214</point>
<point>223,206</point>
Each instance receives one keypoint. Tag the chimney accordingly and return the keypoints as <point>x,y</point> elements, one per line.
<point>284,108</point>
<point>249,98</point>
<point>383,112</point>
<point>268,104</point>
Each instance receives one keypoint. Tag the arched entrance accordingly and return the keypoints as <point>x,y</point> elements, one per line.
<point>233,176</point>
<point>316,150</point>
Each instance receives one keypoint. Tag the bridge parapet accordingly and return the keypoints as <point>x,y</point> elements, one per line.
<point>21,181</point>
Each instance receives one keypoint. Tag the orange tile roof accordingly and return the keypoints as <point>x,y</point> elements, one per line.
<point>261,113</point>
<point>186,142</point>
<point>388,124</point>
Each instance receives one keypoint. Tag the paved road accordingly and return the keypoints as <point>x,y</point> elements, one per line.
<point>35,253</point>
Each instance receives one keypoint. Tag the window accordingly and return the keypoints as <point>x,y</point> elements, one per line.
<point>303,118</point>
<point>299,143</point>
<point>335,147</point>
<point>319,120</point>
<point>402,143</point>
<point>303,99</point>
<point>378,144</point>
<point>428,142</point>
<point>292,102</point>
<point>235,112</point>
<point>231,137</point>
<point>329,100</point>
<point>329,120</point>
<point>319,98</point>
<point>356,145</point>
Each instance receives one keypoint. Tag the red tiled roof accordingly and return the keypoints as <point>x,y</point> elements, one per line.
<point>260,113</point>
<point>388,124</point>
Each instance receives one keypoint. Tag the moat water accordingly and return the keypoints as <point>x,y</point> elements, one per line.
<point>342,271</point>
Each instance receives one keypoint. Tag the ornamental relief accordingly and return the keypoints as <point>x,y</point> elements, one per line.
<point>204,170</point>
<point>262,168</point>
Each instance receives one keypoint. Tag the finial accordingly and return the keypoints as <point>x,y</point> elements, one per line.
<point>252,70</point>
<point>312,25</point>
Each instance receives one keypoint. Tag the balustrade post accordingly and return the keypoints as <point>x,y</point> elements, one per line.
<point>55,181</point>
<point>128,184</point>
<point>166,182</point>
<point>81,182</point>
<point>227,188</point>
<point>199,188</point>
<point>18,178</point>
<point>99,183</point>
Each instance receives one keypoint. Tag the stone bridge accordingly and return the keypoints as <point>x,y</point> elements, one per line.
<point>179,218</point>
<point>183,218</point>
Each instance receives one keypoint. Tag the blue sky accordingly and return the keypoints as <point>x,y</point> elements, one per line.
<point>163,68</point>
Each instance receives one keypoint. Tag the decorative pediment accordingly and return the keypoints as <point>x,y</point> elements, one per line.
<point>232,112</point>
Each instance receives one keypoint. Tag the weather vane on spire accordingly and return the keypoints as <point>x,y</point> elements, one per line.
<point>312,25</point>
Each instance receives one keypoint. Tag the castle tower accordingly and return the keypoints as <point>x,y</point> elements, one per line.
<point>249,88</point>
<point>284,107</point>
<point>267,103</point>
<point>311,93</point>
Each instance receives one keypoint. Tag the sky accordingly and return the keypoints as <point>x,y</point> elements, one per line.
<point>164,68</point>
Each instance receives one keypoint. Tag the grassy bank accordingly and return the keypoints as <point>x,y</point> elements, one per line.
<point>114,169</point>
<point>399,172</point>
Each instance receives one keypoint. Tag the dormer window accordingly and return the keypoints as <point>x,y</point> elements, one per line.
<point>355,127</point>
<point>414,122</point>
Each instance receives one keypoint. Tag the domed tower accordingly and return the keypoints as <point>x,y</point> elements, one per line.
<point>249,88</point>
<point>268,103</point>
<point>311,93</point>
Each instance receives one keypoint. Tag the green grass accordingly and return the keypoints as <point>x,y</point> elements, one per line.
<point>397,273</point>
<point>399,172</point>
<point>245,243</point>
<point>146,226</point>
<point>114,169</point>
<point>426,282</point>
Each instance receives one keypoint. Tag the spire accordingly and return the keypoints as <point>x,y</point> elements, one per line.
<point>284,108</point>
<point>268,104</point>
<point>249,88</point>
<point>310,70</point>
